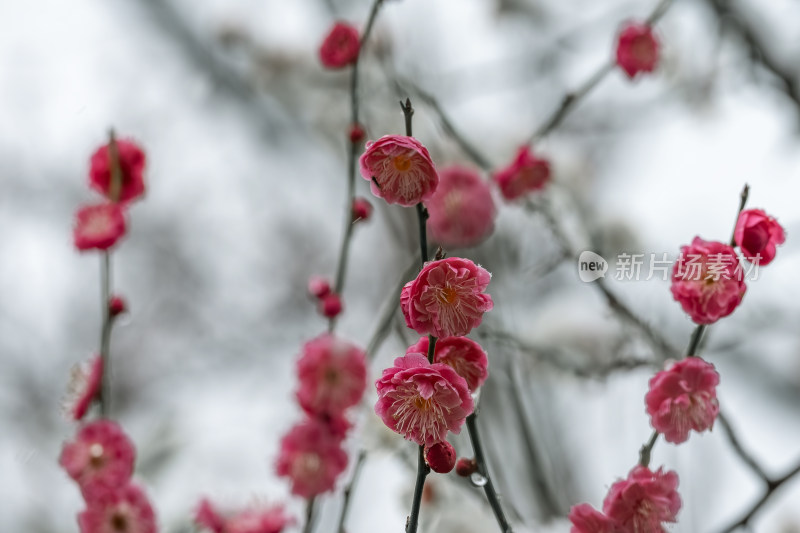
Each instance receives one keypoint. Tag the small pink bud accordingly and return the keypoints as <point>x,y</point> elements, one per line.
<point>465,467</point>
<point>441,457</point>
<point>330,305</point>
<point>117,306</point>
<point>637,49</point>
<point>318,286</point>
<point>357,133</point>
<point>340,47</point>
<point>362,209</point>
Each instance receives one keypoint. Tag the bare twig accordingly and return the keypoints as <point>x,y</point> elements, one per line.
<point>350,488</point>
<point>571,99</point>
<point>759,50</point>
<point>352,156</point>
<point>772,486</point>
<point>483,470</point>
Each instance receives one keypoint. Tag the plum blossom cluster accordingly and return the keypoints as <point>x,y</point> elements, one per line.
<point>708,280</point>
<point>100,459</point>
<point>643,502</point>
<point>708,283</point>
<point>116,172</point>
<point>423,399</point>
<point>332,378</point>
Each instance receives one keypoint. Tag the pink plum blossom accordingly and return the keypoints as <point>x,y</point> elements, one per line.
<point>131,163</point>
<point>637,49</point>
<point>124,509</point>
<point>255,519</point>
<point>683,398</point>
<point>447,298</point>
<point>587,519</point>
<point>332,375</point>
<point>117,305</point>
<point>422,401</point>
<point>461,211</point>
<point>311,458</point>
<point>526,173</point>
<point>464,355</point>
<point>466,466</point>
<point>757,234</point>
<point>340,47</point>
<point>400,170</point>
<point>644,501</point>
<point>206,516</point>
<point>84,387</point>
<point>100,457</point>
<point>98,226</point>
<point>362,209</point>
<point>441,457</point>
<point>707,281</point>
<point>330,305</point>
<point>318,286</point>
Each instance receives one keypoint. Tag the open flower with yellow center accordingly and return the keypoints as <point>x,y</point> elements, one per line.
<point>399,169</point>
<point>422,401</point>
<point>447,298</point>
<point>708,281</point>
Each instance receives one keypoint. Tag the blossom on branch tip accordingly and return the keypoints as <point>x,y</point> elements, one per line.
<point>131,163</point>
<point>330,305</point>
<point>122,510</point>
<point>356,133</point>
<point>683,398</point>
<point>117,306</point>
<point>362,209</point>
<point>637,49</point>
<point>644,501</point>
<point>340,47</point>
<point>441,457</point>
<point>84,387</point>
<point>100,457</point>
<point>757,234</point>
<point>400,170</point>
<point>447,298</point>
<point>332,375</point>
<point>526,173</point>
<point>707,281</point>
<point>98,226</point>
<point>466,466</point>
<point>318,286</point>
<point>461,211</point>
<point>464,355</point>
<point>422,401</point>
<point>311,458</point>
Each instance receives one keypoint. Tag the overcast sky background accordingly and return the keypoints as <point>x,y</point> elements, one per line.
<point>246,164</point>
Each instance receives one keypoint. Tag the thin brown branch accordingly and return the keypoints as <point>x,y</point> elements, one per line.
<point>772,486</point>
<point>759,50</point>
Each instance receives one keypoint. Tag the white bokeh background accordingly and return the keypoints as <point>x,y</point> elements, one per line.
<point>245,199</point>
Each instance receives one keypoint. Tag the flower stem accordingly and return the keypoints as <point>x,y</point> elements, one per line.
<point>105,334</point>
<point>488,487</point>
<point>422,472</point>
<point>352,152</point>
<point>348,491</point>
<point>309,525</point>
<point>114,190</point>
